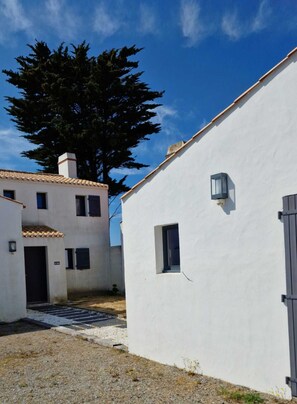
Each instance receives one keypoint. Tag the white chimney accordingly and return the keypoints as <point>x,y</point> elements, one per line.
<point>174,148</point>
<point>67,165</point>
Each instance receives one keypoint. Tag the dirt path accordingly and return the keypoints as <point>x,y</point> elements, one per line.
<point>44,366</point>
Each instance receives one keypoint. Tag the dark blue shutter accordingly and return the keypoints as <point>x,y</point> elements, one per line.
<point>94,205</point>
<point>290,228</point>
<point>82,258</point>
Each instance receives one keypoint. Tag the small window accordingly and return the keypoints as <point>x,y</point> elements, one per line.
<point>41,200</point>
<point>69,258</point>
<point>171,248</point>
<point>94,205</point>
<point>9,194</point>
<point>82,258</point>
<point>80,205</point>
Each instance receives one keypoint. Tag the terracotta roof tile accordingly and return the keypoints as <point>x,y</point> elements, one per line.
<point>49,178</point>
<point>171,157</point>
<point>41,231</point>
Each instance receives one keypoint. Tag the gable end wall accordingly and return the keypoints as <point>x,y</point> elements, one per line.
<point>224,309</point>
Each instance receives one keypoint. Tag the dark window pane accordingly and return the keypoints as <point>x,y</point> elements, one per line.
<point>69,258</point>
<point>80,205</point>
<point>41,200</point>
<point>94,205</point>
<point>82,258</point>
<point>171,247</point>
<point>9,194</point>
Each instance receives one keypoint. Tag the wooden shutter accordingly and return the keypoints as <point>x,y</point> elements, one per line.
<point>94,205</point>
<point>82,258</point>
<point>290,228</point>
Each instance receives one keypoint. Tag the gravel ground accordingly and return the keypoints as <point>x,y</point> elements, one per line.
<point>43,366</point>
<point>109,333</point>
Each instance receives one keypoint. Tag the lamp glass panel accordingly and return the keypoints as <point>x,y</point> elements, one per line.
<point>12,246</point>
<point>213,186</point>
<point>216,186</point>
<point>224,184</point>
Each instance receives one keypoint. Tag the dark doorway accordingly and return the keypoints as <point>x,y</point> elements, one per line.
<point>35,268</point>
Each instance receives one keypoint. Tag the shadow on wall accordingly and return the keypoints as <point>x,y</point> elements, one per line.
<point>230,203</point>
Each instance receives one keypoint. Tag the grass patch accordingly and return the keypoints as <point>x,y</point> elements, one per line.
<point>241,396</point>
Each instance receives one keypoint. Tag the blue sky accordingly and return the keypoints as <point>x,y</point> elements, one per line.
<point>202,53</point>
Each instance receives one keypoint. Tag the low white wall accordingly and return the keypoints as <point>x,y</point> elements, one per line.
<point>117,268</point>
<point>223,309</point>
<point>12,273</point>
<point>56,273</point>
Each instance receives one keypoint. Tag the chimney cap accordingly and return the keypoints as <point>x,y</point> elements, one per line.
<point>174,147</point>
<point>66,156</point>
<point>67,165</point>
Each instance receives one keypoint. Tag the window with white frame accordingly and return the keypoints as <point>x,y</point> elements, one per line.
<point>171,258</point>
<point>167,251</point>
<point>78,258</point>
<point>90,201</point>
<point>80,201</point>
<point>41,200</point>
<point>69,261</point>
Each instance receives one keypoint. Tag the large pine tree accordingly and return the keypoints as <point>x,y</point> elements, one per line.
<point>96,107</point>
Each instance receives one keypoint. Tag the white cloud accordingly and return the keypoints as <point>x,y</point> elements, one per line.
<point>148,21</point>
<point>262,17</point>
<point>156,147</point>
<point>131,171</point>
<point>13,19</point>
<point>105,23</point>
<point>11,146</point>
<point>163,112</point>
<point>192,26</point>
<point>235,28</point>
<point>62,18</point>
<point>166,116</point>
<point>231,25</point>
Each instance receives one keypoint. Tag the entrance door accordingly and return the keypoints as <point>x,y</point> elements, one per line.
<point>35,269</point>
<point>289,215</point>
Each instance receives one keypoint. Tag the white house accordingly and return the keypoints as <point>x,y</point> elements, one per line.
<point>12,274</point>
<point>64,246</point>
<point>204,279</point>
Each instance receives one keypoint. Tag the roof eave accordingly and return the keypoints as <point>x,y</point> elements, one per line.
<point>201,131</point>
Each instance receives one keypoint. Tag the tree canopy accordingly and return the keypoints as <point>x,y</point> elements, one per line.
<point>95,107</point>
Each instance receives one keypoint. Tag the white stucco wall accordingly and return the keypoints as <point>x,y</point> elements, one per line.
<point>224,309</point>
<point>12,273</point>
<point>79,231</point>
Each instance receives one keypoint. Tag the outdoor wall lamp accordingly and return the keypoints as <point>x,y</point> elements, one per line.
<point>219,187</point>
<point>12,246</point>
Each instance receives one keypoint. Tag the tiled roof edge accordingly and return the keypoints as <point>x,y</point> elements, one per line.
<point>31,231</point>
<point>91,183</point>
